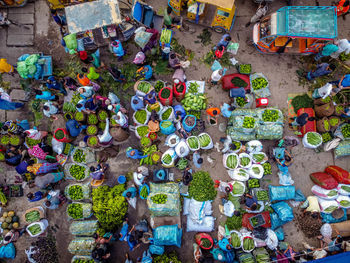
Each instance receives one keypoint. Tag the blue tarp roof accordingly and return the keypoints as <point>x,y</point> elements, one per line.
<point>338,258</point>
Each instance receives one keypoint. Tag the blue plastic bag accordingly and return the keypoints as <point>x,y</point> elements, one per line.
<point>80,45</point>
<point>179,110</point>
<point>328,218</point>
<point>216,65</point>
<point>38,72</point>
<point>156,250</point>
<point>168,130</point>
<point>167,236</point>
<point>279,233</point>
<point>276,222</point>
<point>299,197</point>
<point>284,211</point>
<point>240,92</point>
<point>280,193</point>
<point>8,251</point>
<point>23,57</point>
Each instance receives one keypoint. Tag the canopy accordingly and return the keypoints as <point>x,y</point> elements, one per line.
<point>338,258</point>
<point>91,15</point>
<point>226,4</point>
<point>307,21</point>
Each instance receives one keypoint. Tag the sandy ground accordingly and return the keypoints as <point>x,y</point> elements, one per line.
<point>279,69</point>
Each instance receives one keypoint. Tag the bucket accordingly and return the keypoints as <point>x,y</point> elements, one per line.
<point>179,95</point>
<point>166,101</point>
<point>66,137</point>
<point>121,179</point>
<point>187,127</point>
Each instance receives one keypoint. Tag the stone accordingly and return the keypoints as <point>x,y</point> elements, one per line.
<point>2,115</point>
<point>24,19</point>
<point>18,95</point>
<point>20,40</point>
<point>27,9</point>
<point>16,115</point>
<point>20,30</point>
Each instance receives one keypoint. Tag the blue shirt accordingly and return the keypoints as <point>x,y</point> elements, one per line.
<point>223,42</point>
<point>225,110</point>
<point>346,81</point>
<point>250,201</point>
<point>73,128</point>
<point>119,51</point>
<point>329,49</point>
<point>131,190</point>
<point>45,96</point>
<point>22,167</point>
<point>321,70</point>
<point>149,73</point>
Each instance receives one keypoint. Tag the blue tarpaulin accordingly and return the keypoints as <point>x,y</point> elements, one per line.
<point>338,258</point>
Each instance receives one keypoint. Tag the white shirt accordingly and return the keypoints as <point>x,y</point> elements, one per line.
<point>215,76</point>
<point>166,50</point>
<point>52,109</point>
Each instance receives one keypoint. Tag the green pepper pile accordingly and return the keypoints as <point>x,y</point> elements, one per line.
<point>248,122</point>
<point>345,130</point>
<point>102,115</point>
<point>144,87</point>
<point>245,68</point>
<point>76,192</point>
<point>92,119</point>
<point>75,211</point>
<point>202,187</point>
<point>79,156</point>
<point>241,102</point>
<point>270,115</point>
<point>259,83</point>
<point>159,198</point>
<point>77,171</point>
<point>141,116</point>
<point>142,130</point>
<point>166,114</point>
<point>267,168</point>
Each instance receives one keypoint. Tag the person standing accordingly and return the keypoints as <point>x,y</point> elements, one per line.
<point>326,51</point>
<point>216,76</point>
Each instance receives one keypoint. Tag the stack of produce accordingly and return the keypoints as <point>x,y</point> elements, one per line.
<point>194,102</point>
<point>9,221</point>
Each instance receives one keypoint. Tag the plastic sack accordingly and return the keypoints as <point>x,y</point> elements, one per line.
<point>156,250</point>
<point>171,116</point>
<point>256,171</point>
<point>243,112</point>
<point>38,72</point>
<point>322,92</point>
<point>239,174</point>
<point>23,57</point>
<point>281,193</point>
<point>327,206</point>
<point>238,121</point>
<point>43,224</point>
<point>167,130</point>
<point>343,189</point>
<point>8,251</point>
<point>182,149</point>
<point>272,239</point>
<point>167,236</point>
<point>83,228</point>
<point>328,218</point>
<point>148,115</point>
<point>22,69</point>
<point>32,59</point>
<point>245,236</point>
<point>239,236</point>
<point>229,209</point>
<point>57,146</point>
<point>189,146</point>
<point>254,146</point>
<point>173,155</point>
<point>238,188</point>
<point>232,165</point>
<point>280,119</point>
<point>88,154</point>
<point>309,145</point>
<point>198,210</point>
<point>207,225</point>
<point>142,37</point>
<point>68,175</point>
<point>279,233</point>
<point>342,176</point>
<point>82,246</point>
<point>344,201</point>
<point>71,42</point>
<point>284,177</point>
<point>232,48</point>
<point>172,206</point>
<point>299,197</point>
<point>240,136</point>
<point>261,255</point>
<point>284,211</point>
<point>324,180</point>
<point>326,230</point>
<point>259,157</point>
<point>245,155</point>
<point>87,210</point>
<point>261,93</point>
<point>249,99</point>
<point>324,193</point>
<point>186,205</point>
<point>172,140</point>
<point>210,145</point>
<point>276,221</point>
<point>269,132</point>
<point>216,65</point>
<point>77,257</point>
<point>85,191</point>
<point>343,149</point>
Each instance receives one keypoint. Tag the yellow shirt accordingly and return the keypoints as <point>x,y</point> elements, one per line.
<point>5,67</point>
<point>313,204</point>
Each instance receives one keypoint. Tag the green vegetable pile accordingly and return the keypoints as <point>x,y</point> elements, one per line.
<point>231,161</point>
<point>334,122</point>
<point>142,131</point>
<point>165,36</point>
<point>259,83</point>
<point>75,211</point>
<point>144,87</point>
<point>102,115</point>
<point>156,109</point>
<point>270,115</point>
<point>234,222</point>
<point>193,142</point>
<point>141,116</point>
<point>145,141</point>
<point>166,114</point>
<point>262,195</point>
<point>152,155</point>
<point>92,119</point>
<point>194,102</point>
<point>32,142</point>
<point>79,156</point>
<point>77,171</point>
<point>248,244</point>
<point>92,140</point>
<point>326,125</point>
<point>167,159</point>
<point>166,258</point>
<point>202,187</point>
<point>237,144</point>
<point>144,192</point>
<point>84,261</point>
<point>79,116</point>
<point>345,130</point>
<point>59,135</point>
<point>235,240</point>
<point>159,85</point>
<point>245,68</point>
<point>193,87</point>
<point>302,101</point>
<point>34,229</point>
<point>344,203</point>
<point>166,124</point>
<point>241,102</point>
<point>332,193</point>
<point>109,206</point>
<point>244,161</point>
<point>102,125</point>
<point>204,140</point>
<point>339,109</point>
<point>159,198</point>
<point>76,192</point>
<point>345,188</point>
<point>262,258</point>
<point>330,209</point>
<point>253,183</point>
<point>238,82</point>
<point>205,242</point>
<point>32,216</point>
<point>326,137</point>
<point>165,93</point>
<point>248,122</point>
<point>267,168</point>
<point>182,164</point>
<point>238,188</point>
<point>258,157</point>
<point>314,138</point>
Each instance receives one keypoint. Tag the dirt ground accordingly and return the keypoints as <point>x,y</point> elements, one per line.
<point>279,69</point>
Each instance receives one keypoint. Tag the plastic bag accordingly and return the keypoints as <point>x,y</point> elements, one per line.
<point>85,190</point>
<point>238,121</point>
<point>232,48</point>
<point>327,206</point>
<point>172,140</point>
<point>206,135</point>
<point>148,115</point>
<point>343,149</point>
<point>71,42</point>
<point>83,228</point>
<point>32,59</point>
<point>233,164</point>
<point>167,236</point>
<point>8,251</point>
<point>326,230</point>
<point>328,218</point>
<point>269,132</point>
<point>216,65</point>
<point>229,209</point>
<point>261,93</point>
<point>142,37</point>
<point>173,156</point>
<point>23,57</point>
<point>198,210</point>
<point>259,157</point>
<point>299,197</point>
<point>238,188</point>
<point>307,144</point>
<point>182,149</point>
<point>172,206</point>
<point>82,246</point>
<point>239,174</point>
<point>38,71</point>
<point>156,250</point>
<point>324,180</point>
<point>207,225</point>
<point>254,146</point>
<point>171,116</point>
<point>271,240</point>
<point>57,146</point>
<point>322,92</point>
<point>325,194</point>
<point>279,121</point>
<point>186,205</point>
<point>281,193</point>
<point>239,136</point>
<point>343,189</point>
<point>87,210</point>
<point>256,171</point>
<point>246,156</point>
<point>344,201</point>
<point>276,221</point>
<point>342,176</point>
<point>89,155</point>
<point>279,233</point>
<point>22,69</point>
<point>189,146</point>
<point>284,211</point>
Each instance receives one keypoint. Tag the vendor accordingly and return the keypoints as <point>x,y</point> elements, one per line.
<point>179,74</point>
<point>117,49</point>
<point>121,119</point>
<point>38,195</point>
<point>197,160</point>
<point>50,110</point>
<point>130,193</point>
<point>83,79</point>
<point>70,83</point>
<point>73,127</point>
<point>13,156</point>
<point>311,204</point>
<point>137,103</point>
<point>224,41</point>
<point>150,98</point>
<point>139,58</point>
<point>174,61</point>
<point>145,72</point>
<point>187,176</point>
<point>251,202</point>
<point>146,257</point>
<point>98,173</point>
<point>44,95</point>
<point>154,38</point>
<point>213,114</point>
<point>116,74</point>
<point>321,70</point>
<point>40,154</point>
<point>302,119</point>
<point>134,153</point>
<point>226,110</point>
<point>216,76</point>
<point>6,67</point>
<point>53,84</point>
<point>223,186</point>
<point>86,92</point>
